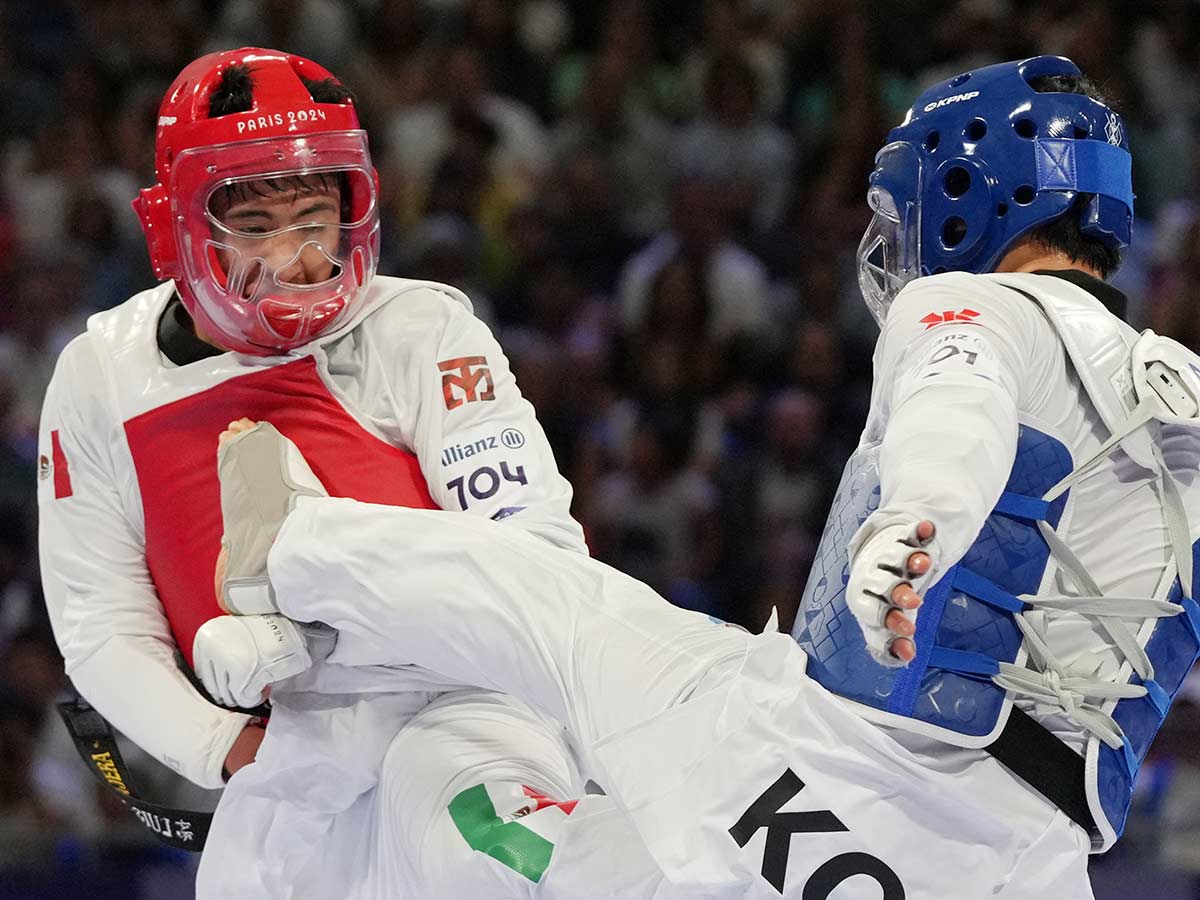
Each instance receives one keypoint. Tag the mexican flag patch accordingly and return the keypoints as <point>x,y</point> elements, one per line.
<point>512,823</point>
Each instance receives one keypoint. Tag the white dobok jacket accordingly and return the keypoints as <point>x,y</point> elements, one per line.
<point>410,403</point>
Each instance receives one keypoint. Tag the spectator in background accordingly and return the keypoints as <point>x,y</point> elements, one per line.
<point>778,500</point>
<point>796,476</point>
<point>130,134</point>
<point>92,238</point>
<point>321,30</point>
<point>68,156</point>
<point>647,513</point>
<point>735,280</point>
<point>138,43</point>
<point>465,106</point>
<point>733,145</point>
<point>977,33</point>
<point>393,68</point>
<point>1173,309</point>
<point>42,316</point>
<point>559,308</point>
<point>566,385</point>
<point>817,363</point>
<point>447,248</point>
<point>680,311</point>
<point>513,71</point>
<point>28,98</point>
<point>28,827</point>
<point>529,239</point>
<point>21,605</point>
<point>627,37</point>
<point>728,31</point>
<point>585,199</point>
<point>1163,60</point>
<point>608,118</point>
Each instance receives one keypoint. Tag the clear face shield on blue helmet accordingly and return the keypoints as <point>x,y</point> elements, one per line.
<point>889,254</point>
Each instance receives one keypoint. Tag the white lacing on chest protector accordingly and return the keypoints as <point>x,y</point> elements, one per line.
<point>1075,692</point>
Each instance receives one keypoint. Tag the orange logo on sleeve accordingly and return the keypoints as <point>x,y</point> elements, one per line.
<point>465,380</point>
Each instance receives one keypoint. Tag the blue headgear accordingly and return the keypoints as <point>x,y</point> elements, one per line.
<point>981,159</point>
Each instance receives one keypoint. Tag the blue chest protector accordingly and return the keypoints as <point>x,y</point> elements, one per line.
<point>966,627</point>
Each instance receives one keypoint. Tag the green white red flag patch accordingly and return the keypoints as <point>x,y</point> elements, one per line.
<point>512,823</point>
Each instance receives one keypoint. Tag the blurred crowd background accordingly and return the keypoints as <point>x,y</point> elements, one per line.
<point>654,203</point>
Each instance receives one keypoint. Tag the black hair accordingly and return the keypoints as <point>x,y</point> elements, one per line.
<point>235,92</point>
<point>328,90</point>
<point>237,191</point>
<point>1064,234</point>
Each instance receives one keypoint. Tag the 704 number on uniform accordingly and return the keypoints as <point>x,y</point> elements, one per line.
<point>484,482</point>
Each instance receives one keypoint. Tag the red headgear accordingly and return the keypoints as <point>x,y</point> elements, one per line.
<point>231,291</point>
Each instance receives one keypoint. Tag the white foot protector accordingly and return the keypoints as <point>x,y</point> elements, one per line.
<point>262,475</point>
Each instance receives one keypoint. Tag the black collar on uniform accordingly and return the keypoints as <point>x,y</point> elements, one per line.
<point>177,336</point>
<point>1113,299</point>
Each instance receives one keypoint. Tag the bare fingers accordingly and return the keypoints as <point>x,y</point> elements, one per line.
<point>234,428</point>
<point>904,597</point>
<point>925,531</point>
<point>903,649</point>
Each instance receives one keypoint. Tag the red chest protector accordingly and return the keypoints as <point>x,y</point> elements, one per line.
<point>174,451</point>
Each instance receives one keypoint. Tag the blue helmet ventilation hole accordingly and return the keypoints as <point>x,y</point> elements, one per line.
<point>954,229</point>
<point>956,182</point>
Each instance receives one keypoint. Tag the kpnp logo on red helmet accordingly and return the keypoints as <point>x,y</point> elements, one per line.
<point>939,318</point>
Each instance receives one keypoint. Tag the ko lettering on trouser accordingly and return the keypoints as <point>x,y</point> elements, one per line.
<point>782,826</point>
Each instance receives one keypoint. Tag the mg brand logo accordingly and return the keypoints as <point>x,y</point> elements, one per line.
<point>466,379</point>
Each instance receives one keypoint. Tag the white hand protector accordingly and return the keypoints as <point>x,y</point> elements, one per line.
<point>238,657</point>
<point>879,565</point>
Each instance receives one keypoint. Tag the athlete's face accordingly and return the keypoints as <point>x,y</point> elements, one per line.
<point>290,223</point>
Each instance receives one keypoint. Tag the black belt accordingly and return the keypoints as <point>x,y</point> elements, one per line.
<point>96,743</point>
<point>1047,765</point>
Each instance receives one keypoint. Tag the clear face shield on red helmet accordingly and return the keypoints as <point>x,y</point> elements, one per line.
<point>889,254</point>
<point>279,238</point>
